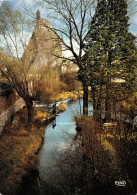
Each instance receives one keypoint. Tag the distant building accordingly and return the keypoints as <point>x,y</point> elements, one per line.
<point>74,68</point>
<point>117,80</point>
<point>68,65</point>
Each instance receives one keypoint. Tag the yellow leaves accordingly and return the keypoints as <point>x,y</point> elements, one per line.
<point>75,97</point>
<point>107,146</point>
<point>135,94</point>
<point>62,96</point>
<point>40,115</point>
<point>81,92</point>
<point>131,101</point>
<point>66,95</point>
<point>62,107</point>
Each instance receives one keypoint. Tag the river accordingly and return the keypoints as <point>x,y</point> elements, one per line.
<point>59,157</point>
<point>57,141</point>
<point>64,170</point>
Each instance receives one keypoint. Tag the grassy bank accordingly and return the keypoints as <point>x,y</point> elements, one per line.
<point>19,145</point>
<point>64,95</point>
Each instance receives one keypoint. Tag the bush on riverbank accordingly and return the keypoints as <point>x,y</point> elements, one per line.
<point>39,115</point>
<point>62,107</point>
<point>55,85</point>
<point>107,159</point>
<point>69,81</point>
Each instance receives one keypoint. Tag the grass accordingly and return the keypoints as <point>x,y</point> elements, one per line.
<point>19,146</point>
<point>39,115</point>
<point>64,95</point>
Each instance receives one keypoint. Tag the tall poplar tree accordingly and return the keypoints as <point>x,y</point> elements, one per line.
<point>111,54</point>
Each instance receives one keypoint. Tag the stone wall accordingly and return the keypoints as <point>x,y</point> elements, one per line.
<point>9,113</point>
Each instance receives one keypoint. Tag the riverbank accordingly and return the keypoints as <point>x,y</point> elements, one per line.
<point>19,147</point>
<point>111,158</point>
<point>66,95</point>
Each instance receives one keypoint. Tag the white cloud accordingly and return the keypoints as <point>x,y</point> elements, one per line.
<point>68,53</point>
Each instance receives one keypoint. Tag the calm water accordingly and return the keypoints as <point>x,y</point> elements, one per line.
<point>60,169</point>
<point>56,141</point>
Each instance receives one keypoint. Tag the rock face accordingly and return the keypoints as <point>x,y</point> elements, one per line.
<point>43,48</point>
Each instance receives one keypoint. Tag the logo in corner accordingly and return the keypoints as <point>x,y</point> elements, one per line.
<point>120,183</point>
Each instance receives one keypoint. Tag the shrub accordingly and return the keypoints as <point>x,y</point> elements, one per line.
<point>69,81</point>
<point>40,115</point>
<point>48,86</point>
<point>61,108</point>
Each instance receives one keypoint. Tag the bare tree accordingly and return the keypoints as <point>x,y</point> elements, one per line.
<point>25,76</point>
<point>14,31</point>
<point>16,73</point>
<point>27,82</point>
<point>13,40</point>
<point>70,20</point>
<point>132,7</point>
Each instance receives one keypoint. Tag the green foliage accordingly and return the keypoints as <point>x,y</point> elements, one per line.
<point>111,51</point>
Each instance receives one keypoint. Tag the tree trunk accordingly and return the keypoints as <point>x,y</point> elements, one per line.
<point>107,106</point>
<point>107,102</point>
<point>96,105</point>
<point>85,99</point>
<point>29,105</point>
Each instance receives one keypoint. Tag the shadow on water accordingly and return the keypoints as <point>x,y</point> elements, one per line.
<point>30,183</point>
<point>64,170</point>
<point>58,138</point>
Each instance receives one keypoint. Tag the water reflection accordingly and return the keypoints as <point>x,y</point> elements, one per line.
<point>58,138</point>
<point>64,167</point>
<point>54,123</point>
<point>64,171</point>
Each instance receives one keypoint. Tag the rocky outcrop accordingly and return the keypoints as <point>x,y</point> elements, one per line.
<point>44,47</point>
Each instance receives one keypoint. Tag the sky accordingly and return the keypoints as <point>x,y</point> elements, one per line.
<point>16,4</point>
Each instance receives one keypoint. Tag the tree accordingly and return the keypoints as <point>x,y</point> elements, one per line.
<point>112,51</point>
<point>13,41</point>
<point>27,74</point>
<point>14,30</point>
<point>16,74</point>
<point>132,7</point>
<point>70,20</point>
